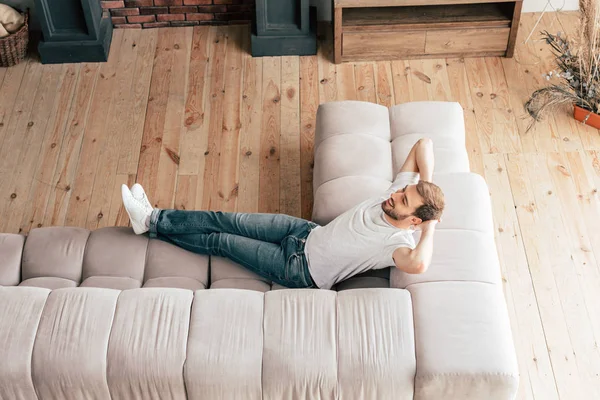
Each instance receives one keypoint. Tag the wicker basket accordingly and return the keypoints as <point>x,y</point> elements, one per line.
<point>14,47</point>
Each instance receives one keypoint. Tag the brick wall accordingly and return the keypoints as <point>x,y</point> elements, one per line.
<point>161,13</point>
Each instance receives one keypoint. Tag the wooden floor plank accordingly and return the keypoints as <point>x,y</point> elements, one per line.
<point>151,145</point>
<point>225,197</point>
<point>384,86</point>
<point>185,195</point>
<point>95,137</point>
<point>400,81</point>
<point>145,46</point>
<point>42,186</point>
<point>327,70</point>
<point>168,157</point>
<point>66,169</point>
<point>536,375</point>
<point>251,116</point>
<point>270,150</point>
<point>418,81</point>
<point>345,82</point>
<point>10,88</point>
<point>197,107</point>
<point>290,201</point>
<point>480,89</point>
<point>505,126</point>
<point>309,103</point>
<point>117,116</point>
<point>365,82</point>
<point>439,89</point>
<point>460,92</point>
<point>22,178</point>
<point>15,137</point>
<point>216,88</point>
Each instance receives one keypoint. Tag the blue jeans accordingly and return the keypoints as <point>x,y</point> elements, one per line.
<point>271,245</point>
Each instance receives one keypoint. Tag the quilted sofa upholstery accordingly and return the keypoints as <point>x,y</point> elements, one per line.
<point>110,315</point>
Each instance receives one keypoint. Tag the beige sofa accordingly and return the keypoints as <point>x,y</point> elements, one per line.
<point>110,315</point>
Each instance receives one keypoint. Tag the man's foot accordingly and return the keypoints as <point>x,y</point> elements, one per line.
<point>139,194</point>
<point>139,211</point>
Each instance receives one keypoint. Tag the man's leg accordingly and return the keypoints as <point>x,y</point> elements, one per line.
<point>282,263</point>
<point>420,159</point>
<point>273,228</point>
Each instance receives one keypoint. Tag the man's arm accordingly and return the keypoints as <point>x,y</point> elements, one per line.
<point>417,260</point>
<point>420,159</point>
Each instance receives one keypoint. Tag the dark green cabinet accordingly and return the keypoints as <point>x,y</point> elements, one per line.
<point>73,31</point>
<point>284,27</point>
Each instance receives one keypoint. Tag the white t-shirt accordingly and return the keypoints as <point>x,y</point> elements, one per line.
<point>358,240</point>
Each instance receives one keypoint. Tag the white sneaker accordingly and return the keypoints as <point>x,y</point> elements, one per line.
<point>139,194</point>
<point>139,212</point>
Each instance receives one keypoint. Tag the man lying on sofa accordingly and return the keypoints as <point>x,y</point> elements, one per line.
<point>297,253</point>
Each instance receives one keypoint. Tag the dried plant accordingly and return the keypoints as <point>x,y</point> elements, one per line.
<point>578,62</point>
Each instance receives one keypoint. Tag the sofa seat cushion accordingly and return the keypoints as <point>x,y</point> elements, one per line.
<point>72,338</point>
<point>20,312</point>
<point>111,282</point>
<point>462,335</point>
<point>148,342</point>
<point>48,282</point>
<point>11,250</point>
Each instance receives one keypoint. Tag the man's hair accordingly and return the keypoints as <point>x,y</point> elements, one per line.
<point>433,201</point>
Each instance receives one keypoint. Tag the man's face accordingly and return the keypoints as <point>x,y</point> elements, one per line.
<point>403,203</point>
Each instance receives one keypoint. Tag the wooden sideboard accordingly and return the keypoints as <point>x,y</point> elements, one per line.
<point>366,30</point>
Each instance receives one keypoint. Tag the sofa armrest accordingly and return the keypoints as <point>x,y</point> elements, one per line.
<point>463,341</point>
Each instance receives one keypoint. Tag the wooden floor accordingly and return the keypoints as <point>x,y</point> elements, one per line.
<point>201,124</point>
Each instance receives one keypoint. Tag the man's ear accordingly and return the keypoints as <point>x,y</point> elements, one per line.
<point>416,221</point>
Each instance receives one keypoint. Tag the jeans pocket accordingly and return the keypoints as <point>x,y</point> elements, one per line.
<point>293,269</point>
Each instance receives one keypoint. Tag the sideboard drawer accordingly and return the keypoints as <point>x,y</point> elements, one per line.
<point>382,45</point>
<point>448,41</point>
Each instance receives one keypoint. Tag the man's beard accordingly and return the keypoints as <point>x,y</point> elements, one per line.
<point>392,213</point>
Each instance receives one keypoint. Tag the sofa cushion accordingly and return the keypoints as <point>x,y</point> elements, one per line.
<point>11,251</point>
<point>111,282</point>
<point>351,117</point>
<point>363,155</point>
<point>226,329</point>
<point>376,344</point>
<point>468,204</point>
<point>463,341</point>
<point>299,353</point>
<point>459,255</point>
<point>222,268</point>
<point>147,345</point>
<point>72,338</point>
<point>178,282</point>
<point>433,118</point>
<point>20,312</point>
<point>450,154</point>
<point>54,252</point>
<point>49,282</point>
<point>165,260</point>
<point>115,252</point>
<point>339,195</point>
